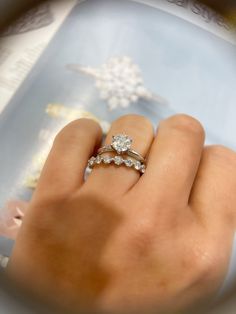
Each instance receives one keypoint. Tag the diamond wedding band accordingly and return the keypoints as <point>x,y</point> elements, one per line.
<point>117,160</point>
<point>121,145</point>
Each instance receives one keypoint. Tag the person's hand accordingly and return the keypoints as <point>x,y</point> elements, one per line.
<point>124,242</point>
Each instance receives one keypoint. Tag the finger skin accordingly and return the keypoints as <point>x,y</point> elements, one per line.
<point>174,159</point>
<point>119,179</point>
<point>63,172</point>
<point>213,196</point>
<point>213,203</point>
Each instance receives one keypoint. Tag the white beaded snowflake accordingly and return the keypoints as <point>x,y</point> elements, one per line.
<point>119,82</point>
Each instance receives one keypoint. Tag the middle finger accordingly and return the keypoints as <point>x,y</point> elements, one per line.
<point>173,160</point>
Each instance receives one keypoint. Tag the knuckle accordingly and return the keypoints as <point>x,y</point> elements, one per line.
<point>78,129</point>
<point>202,264</point>
<point>134,119</point>
<point>186,124</point>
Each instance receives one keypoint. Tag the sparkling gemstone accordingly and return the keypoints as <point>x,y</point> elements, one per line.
<point>129,162</point>
<point>92,161</point>
<point>98,159</point>
<point>137,165</point>
<point>118,160</point>
<point>107,160</point>
<point>121,143</point>
<point>143,169</point>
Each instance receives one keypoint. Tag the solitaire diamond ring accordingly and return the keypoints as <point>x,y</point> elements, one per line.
<point>121,144</point>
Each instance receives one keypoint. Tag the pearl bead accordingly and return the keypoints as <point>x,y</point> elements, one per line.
<point>134,98</point>
<point>124,103</point>
<point>113,102</point>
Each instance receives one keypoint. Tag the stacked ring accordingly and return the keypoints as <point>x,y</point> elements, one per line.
<point>121,145</point>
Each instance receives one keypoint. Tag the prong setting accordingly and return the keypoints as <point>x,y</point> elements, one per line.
<point>121,143</point>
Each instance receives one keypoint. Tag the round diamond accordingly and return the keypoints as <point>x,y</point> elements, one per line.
<point>143,169</point>
<point>107,160</point>
<point>92,161</point>
<point>137,165</point>
<point>118,160</point>
<point>129,162</point>
<point>121,143</point>
<point>98,160</point>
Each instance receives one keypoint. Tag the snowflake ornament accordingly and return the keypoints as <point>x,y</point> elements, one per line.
<point>119,82</point>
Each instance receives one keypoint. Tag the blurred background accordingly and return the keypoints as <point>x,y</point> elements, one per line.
<point>63,60</point>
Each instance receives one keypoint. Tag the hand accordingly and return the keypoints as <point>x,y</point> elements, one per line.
<point>123,242</point>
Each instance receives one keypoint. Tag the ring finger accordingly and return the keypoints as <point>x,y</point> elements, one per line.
<point>114,179</point>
